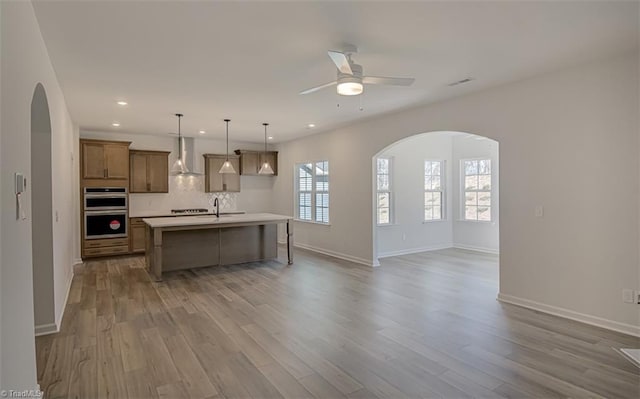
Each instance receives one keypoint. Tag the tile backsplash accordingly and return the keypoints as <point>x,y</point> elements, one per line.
<point>184,192</point>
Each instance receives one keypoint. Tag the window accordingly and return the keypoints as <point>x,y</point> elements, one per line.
<point>433,190</point>
<point>312,191</point>
<point>383,195</point>
<point>477,189</point>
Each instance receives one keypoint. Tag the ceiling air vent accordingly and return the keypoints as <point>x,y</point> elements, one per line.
<point>459,82</point>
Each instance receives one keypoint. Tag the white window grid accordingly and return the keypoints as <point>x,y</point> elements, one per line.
<point>312,191</point>
<point>476,181</point>
<point>434,190</point>
<point>384,213</point>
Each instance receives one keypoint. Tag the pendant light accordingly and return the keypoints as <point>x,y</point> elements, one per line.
<point>179,166</point>
<point>226,166</point>
<point>265,169</point>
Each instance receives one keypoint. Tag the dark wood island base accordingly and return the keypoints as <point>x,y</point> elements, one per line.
<point>191,242</point>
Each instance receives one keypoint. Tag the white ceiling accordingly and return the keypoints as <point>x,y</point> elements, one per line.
<point>248,60</point>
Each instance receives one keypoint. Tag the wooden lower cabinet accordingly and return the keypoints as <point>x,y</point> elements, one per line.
<point>104,247</point>
<point>136,235</point>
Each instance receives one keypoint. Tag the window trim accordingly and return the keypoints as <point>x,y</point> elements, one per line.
<point>296,194</point>
<point>443,191</point>
<point>462,204</point>
<point>390,191</point>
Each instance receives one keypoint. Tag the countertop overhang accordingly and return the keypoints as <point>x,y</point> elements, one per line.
<point>209,220</point>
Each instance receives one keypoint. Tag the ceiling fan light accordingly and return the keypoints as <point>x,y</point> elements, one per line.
<point>350,88</point>
<point>227,167</point>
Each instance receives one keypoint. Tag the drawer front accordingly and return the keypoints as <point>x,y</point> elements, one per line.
<point>109,242</point>
<point>106,251</point>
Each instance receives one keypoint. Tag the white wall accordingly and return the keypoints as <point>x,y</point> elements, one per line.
<point>551,129</point>
<point>408,232</point>
<point>42,212</point>
<point>25,62</point>
<point>188,192</point>
<point>1,208</point>
<point>482,236</point>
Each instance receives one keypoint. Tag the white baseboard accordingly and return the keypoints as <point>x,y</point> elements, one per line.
<point>410,251</point>
<point>52,328</point>
<point>77,261</point>
<point>491,251</point>
<point>572,315</point>
<point>66,299</point>
<point>338,255</point>
<point>45,329</point>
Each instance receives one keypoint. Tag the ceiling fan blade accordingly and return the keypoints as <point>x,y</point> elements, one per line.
<point>383,80</point>
<point>341,61</point>
<point>313,89</point>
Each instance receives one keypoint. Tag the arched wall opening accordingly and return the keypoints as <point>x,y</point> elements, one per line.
<point>436,190</point>
<point>41,213</point>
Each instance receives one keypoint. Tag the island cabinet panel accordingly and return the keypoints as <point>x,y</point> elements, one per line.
<point>103,161</point>
<point>149,171</point>
<point>203,249</point>
<point>221,182</point>
<point>251,161</point>
<point>137,227</point>
<point>248,244</point>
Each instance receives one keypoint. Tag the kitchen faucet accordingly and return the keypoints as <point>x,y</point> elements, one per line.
<point>216,203</point>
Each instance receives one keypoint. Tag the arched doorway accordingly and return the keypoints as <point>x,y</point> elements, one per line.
<point>436,190</point>
<point>41,213</point>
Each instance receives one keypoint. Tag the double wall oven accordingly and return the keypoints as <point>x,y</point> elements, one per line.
<point>105,212</point>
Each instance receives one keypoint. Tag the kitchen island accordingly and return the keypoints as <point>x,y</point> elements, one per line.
<point>187,242</point>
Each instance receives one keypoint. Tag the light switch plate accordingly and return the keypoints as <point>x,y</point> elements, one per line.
<point>539,211</point>
<point>627,296</point>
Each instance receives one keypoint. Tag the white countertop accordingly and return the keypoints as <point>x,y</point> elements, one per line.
<point>156,214</point>
<point>178,221</point>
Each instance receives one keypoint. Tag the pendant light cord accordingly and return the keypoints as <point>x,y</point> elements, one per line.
<point>227,122</point>
<point>179,138</point>
<point>265,138</point>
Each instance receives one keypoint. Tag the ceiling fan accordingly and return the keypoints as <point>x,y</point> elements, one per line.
<point>350,81</point>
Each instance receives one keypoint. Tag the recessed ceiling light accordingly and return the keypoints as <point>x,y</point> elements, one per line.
<point>116,124</point>
<point>270,137</point>
<point>311,126</point>
<point>123,103</point>
<point>202,132</point>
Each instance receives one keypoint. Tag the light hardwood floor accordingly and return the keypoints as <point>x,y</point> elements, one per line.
<point>424,325</point>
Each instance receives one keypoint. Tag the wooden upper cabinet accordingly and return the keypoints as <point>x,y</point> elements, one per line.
<point>93,162</point>
<point>158,167</point>
<point>149,171</point>
<point>117,158</point>
<point>251,161</point>
<point>104,160</point>
<point>138,172</point>
<point>219,182</point>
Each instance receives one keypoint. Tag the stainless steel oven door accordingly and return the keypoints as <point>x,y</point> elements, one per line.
<point>103,202</point>
<point>105,224</point>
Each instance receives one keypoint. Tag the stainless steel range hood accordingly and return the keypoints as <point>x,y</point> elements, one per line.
<point>186,166</point>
